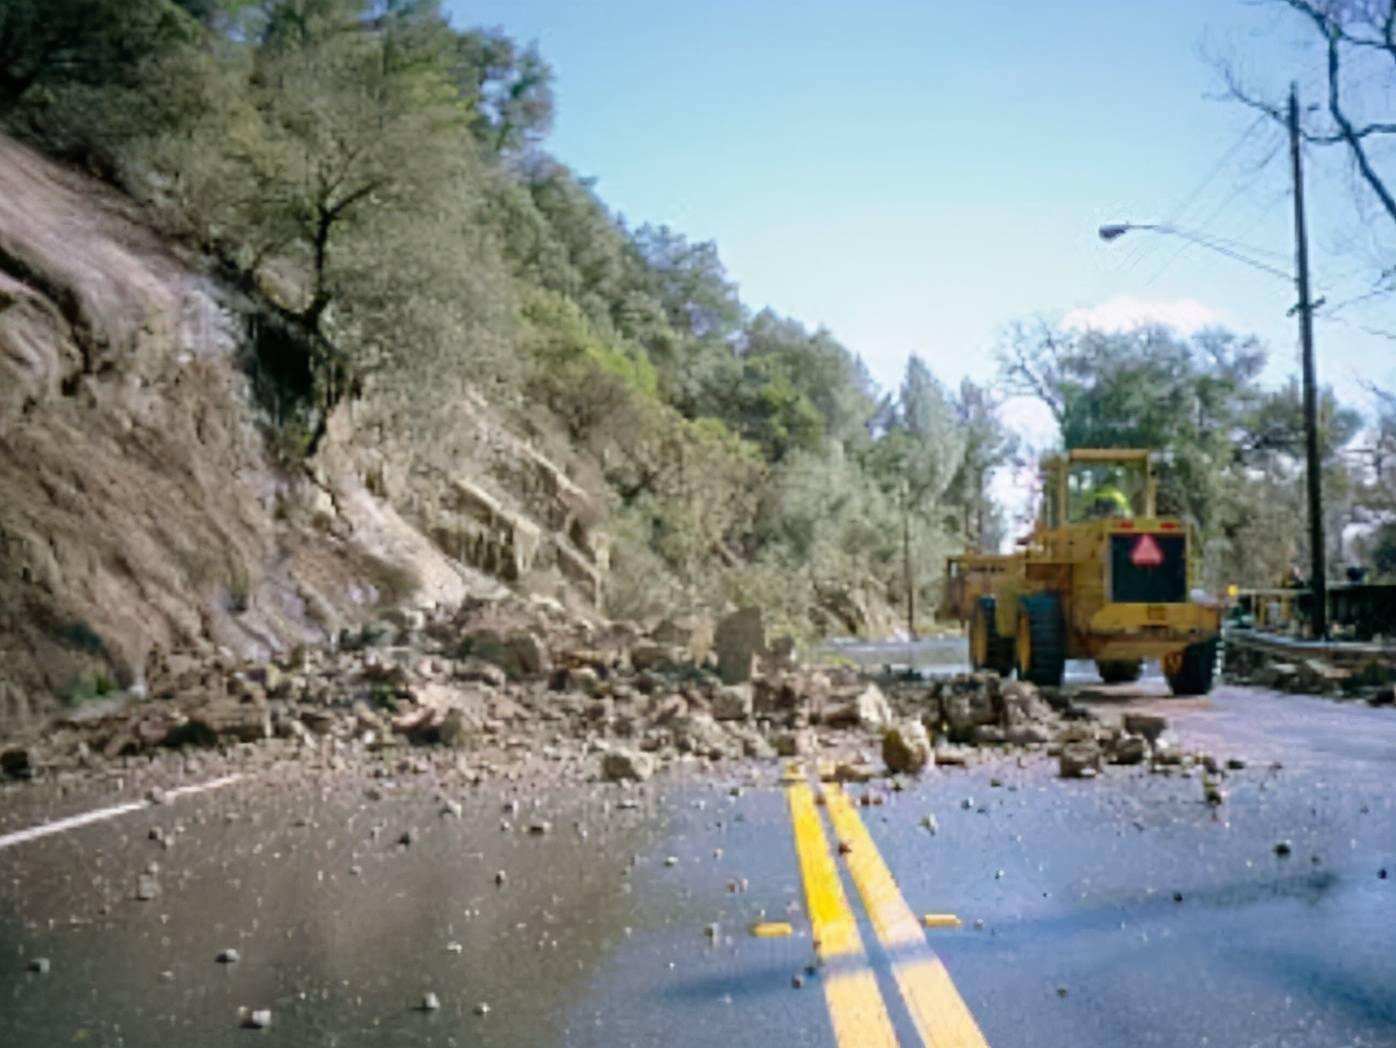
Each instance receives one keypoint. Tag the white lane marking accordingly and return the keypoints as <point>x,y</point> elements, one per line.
<point>74,821</point>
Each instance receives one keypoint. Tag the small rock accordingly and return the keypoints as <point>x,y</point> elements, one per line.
<point>1062,991</point>
<point>258,1019</point>
<point>1079,760</point>
<point>228,956</point>
<point>500,877</point>
<point>540,827</point>
<point>406,838</point>
<point>967,804</point>
<point>1149,725</point>
<point>798,981</point>
<point>1235,764</point>
<point>147,888</point>
<point>430,1002</point>
<point>931,824</point>
<point>1283,848</point>
<point>452,809</point>
<point>482,1008</point>
<point>671,860</point>
<point>712,931</point>
<point>39,965</point>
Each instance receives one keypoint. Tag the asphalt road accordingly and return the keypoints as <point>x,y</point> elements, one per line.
<point>1120,911</point>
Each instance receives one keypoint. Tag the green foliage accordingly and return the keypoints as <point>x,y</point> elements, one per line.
<point>373,176</point>
<point>87,686</point>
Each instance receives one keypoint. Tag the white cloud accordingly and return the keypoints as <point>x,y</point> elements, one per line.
<point>1125,312</point>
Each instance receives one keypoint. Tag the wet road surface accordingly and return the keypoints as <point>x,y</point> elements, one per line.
<point>1120,911</point>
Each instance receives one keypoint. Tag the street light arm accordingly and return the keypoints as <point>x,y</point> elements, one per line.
<point>1115,230</point>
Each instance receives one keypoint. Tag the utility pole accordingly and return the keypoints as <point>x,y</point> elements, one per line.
<point>1318,578</point>
<point>906,563</point>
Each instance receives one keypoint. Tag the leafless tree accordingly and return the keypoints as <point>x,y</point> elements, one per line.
<point>1359,46</point>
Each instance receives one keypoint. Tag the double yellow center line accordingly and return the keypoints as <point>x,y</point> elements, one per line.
<point>856,1008</point>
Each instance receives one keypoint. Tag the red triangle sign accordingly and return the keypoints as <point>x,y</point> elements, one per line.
<point>1146,553</point>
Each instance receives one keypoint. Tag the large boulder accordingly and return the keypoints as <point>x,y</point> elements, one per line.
<point>906,747</point>
<point>739,638</point>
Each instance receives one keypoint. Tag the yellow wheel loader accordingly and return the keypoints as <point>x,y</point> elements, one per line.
<point>1101,577</point>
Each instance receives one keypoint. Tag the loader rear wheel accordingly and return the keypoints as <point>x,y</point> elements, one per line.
<point>1119,671</point>
<point>1190,671</point>
<point>1040,647</point>
<point>987,650</point>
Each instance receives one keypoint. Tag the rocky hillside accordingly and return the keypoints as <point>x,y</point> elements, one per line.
<point>141,505</point>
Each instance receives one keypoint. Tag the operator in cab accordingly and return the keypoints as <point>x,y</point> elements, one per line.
<point>1109,503</point>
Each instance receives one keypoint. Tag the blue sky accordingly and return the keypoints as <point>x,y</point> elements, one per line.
<point>917,175</point>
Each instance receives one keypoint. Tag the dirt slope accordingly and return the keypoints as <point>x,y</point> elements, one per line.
<point>138,503</point>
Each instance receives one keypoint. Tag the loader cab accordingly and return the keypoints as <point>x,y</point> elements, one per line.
<point>1086,485</point>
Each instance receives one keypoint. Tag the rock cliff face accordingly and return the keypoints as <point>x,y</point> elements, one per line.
<point>139,506</point>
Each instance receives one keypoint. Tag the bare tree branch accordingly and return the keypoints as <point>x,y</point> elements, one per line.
<point>1343,24</point>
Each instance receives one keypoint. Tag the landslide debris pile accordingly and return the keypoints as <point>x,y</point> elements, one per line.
<point>504,685</point>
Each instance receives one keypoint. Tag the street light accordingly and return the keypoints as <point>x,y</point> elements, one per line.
<point>1115,230</point>
<point>1119,229</point>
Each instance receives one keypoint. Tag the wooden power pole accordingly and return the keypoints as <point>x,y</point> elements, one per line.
<point>1318,577</point>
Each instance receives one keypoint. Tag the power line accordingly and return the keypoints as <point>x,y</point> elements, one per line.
<point>1134,257</point>
<point>1241,187</point>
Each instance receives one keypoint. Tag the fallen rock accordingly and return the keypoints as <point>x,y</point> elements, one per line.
<point>733,702</point>
<point>648,655</point>
<point>854,771</point>
<point>692,633</point>
<point>739,638</point>
<point>221,722</point>
<point>906,747</point>
<point>800,743</point>
<point>1028,735</point>
<point>1022,705</point>
<point>1129,749</point>
<point>869,710</point>
<point>17,763</point>
<point>619,765</point>
<point>1078,757</point>
<point>988,735</point>
<point>455,731</point>
<point>1149,725</point>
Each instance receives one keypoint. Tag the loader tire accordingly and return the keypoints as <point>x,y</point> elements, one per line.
<point>1040,647</point>
<point>1190,671</point>
<point>987,650</point>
